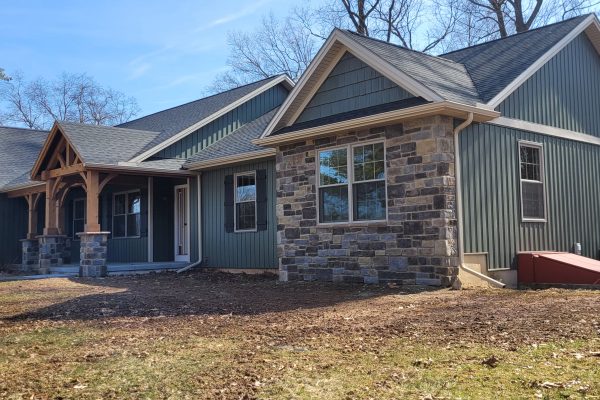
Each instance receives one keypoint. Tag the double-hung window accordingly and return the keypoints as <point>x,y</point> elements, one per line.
<point>352,184</point>
<point>78,216</point>
<point>126,214</point>
<point>245,202</point>
<point>531,163</point>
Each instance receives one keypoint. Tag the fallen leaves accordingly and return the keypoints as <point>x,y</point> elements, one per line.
<point>491,361</point>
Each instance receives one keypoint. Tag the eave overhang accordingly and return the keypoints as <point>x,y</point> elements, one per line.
<point>447,108</point>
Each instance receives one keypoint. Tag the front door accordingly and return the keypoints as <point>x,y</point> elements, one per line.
<point>182,224</point>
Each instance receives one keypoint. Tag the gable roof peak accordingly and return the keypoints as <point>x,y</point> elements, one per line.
<point>418,52</point>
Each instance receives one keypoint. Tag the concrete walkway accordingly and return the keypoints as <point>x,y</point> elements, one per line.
<point>72,270</point>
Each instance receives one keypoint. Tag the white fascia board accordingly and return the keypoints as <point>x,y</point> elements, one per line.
<point>545,130</point>
<point>282,79</point>
<point>533,68</point>
<point>238,158</point>
<point>442,108</point>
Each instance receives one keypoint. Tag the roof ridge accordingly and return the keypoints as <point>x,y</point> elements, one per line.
<point>104,126</point>
<point>23,129</point>
<point>204,98</point>
<point>582,16</point>
<point>402,47</point>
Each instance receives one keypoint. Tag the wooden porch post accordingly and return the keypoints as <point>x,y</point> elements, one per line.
<point>32,201</point>
<point>50,227</point>
<point>93,192</point>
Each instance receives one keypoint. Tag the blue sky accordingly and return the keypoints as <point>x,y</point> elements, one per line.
<point>164,53</point>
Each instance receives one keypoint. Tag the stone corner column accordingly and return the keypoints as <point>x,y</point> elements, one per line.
<point>93,254</point>
<point>30,258</point>
<point>51,248</point>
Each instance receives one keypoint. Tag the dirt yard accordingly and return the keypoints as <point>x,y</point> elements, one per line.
<point>236,337</point>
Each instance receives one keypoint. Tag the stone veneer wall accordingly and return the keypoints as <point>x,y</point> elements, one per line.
<point>417,245</point>
<point>93,253</point>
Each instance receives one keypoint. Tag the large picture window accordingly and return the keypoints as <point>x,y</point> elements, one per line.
<point>245,202</point>
<point>531,163</point>
<point>352,184</point>
<point>126,214</point>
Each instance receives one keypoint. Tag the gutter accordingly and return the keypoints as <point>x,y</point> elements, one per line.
<point>459,212</point>
<point>444,107</point>
<point>237,158</point>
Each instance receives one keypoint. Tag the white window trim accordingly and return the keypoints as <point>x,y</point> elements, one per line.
<point>126,214</point>
<point>82,199</point>
<point>540,146</point>
<point>350,165</point>
<point>235,203</point>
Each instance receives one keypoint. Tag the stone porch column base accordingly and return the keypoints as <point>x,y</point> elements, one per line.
<point>51,249</point>
<point>30,255</point>
<point>93,252</point>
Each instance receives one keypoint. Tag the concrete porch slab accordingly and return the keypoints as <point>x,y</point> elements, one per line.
<point>124,268</point>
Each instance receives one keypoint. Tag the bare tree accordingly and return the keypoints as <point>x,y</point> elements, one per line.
<point>481,20</point>
<point>3,76</point>
<point>70,97</point>
<point>276,47</point>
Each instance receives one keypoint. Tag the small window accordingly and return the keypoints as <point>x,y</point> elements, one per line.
<point>78,217</point>
<point>354,183</point>
<point>126,214</point>
<point>245,202</point>
<point>533,202</point>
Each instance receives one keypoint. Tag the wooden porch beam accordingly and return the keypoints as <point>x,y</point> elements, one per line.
<point>25,191</point>
<point>70,170</point>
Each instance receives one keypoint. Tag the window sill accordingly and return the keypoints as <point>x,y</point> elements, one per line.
<point>126,237</point>
<point>534,220</point>
<point>382,222</point>
<point>246,231</point>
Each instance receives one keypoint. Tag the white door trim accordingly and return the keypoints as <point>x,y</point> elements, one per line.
<point>185,257</point>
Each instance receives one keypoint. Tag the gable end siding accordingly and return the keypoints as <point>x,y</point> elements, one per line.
<point>564,93</point>
<point>351,85</point>
<point>224,125</point>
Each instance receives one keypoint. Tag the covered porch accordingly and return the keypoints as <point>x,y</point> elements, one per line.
<point>105,218</point>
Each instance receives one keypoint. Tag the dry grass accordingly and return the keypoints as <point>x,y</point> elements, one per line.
<point>219,336</point>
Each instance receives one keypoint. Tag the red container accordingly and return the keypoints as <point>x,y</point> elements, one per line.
<point>557,268</point>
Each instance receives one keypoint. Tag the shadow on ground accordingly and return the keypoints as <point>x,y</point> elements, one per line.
<point>195,293</point>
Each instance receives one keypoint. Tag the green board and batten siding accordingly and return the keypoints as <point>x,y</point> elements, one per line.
<point>351,85</point>
<point>564,93</point>
<point>224,125</point>
<point>13,227</point>
<point>236,250</point>
<point>491,195</point>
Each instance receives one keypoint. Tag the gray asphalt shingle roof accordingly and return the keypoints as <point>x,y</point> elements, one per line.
<point>19,149</point>
<point>98,144</point>
<point>495,64</point>
<point>174,120</point>
<point>447,78</point>
<point>237,142</point>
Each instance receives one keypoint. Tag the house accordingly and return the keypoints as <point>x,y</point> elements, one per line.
<point>380,165</point>
<point>94,195</point>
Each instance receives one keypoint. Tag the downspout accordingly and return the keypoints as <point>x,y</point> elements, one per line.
<point>459,210</point>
